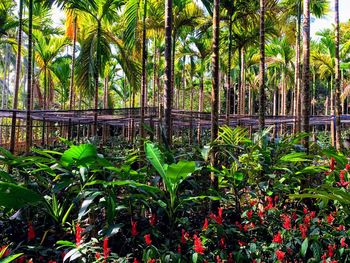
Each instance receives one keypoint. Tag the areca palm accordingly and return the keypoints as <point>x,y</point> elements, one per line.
<point>95,46</point>
<point>46,50</point>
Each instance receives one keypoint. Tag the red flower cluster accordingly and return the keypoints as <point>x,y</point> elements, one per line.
<point>133,228</point>
<point>287,223</point>
<point>198,246</point>
<point>205,225</point>
<point>303,229</point>
<point>330,219</point>
<point>106,249</point>
<point>343,243</point>
<point>184,236</point>
<point>280,255</point>
<point>331,249</point>
<point>277,238</point>
<point>250,214</point>
<point>31,232</point>
<point>78,231</point>
<point>148,239</point>
<point>217,218</point>
<point>342,182</point>
<point>136,260</point>
<point>222,243</point>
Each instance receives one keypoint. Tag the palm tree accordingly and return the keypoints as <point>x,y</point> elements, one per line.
<point>168,89</point>
<point>337,78</point>
<point>29,77</point>
<point>215,93</point>
<point>306,102</point>
<point>262,107</point>
<point>18,73</point>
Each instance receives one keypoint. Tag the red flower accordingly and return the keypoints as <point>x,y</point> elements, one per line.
<point>218,259</point>
<point>148,239</point>
<point>239,225</point>
<point>78,231</point>
<point>136,260</point>
<point>241,243</point>
<point>307,220</point>
<point>342,179</point>
<point>305,211</point>
<point>286,222</point>
<point>198,246</point>
<point>343,243</point>
<point>347,167</point>
<point>97,255</point>
<point>106,250</point>
<point>330,218</point>
<point>280,255</point>
<point>332,164</point>
<point>277,238</point>
<point>5,251</point>
<point>133,228</point>
<point>31,232</point>
<point>205,225</point>
<point>153,219</point>
<point>341,228</point>
<point>179,248</point>
<point>52,261</point>
<point>217,218</point>
<point>184,236</point>
<point>222,243</point>
<point>331,249</point>
<point>313,214</point>
<point>151,260</point>
<point>270,203</point>
<point>303,230</point>
<point>250,214</point>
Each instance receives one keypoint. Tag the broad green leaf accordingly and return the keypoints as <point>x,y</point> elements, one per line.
<point>14,196</point>
<point>154,155</point>
<point>176,173</point>
<point>82,155</point>
<point>296,157</point>
<point>304,247</point>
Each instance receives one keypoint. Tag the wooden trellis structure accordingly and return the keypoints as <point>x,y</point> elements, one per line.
<point>48,125</point>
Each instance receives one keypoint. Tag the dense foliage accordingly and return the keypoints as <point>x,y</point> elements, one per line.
<point>276,203</point>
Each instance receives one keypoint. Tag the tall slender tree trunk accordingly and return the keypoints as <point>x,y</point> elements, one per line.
<point>228,87</point>
<point>338,141</point>
<point>297,79</point>
<point>29,85</point>
<point>96,77</point>
<point>242,88</point>
<point>143,78</point>
<point>200,106</point>
<point>215,95</point>
<point>155,74</point>
<point>306,103</point>
<point>262,99</point>
<point>168,91</point>
<point>71,85</point>
<point>18,74</point>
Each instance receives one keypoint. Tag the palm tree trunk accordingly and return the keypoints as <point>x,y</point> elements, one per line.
<point>155,74</point>
<point>262,99</point>
<point>143,78</point>
<point>297,80</point>
<point>71,86</point>
<point>242,92</point>
<point>228,87</point>
<point>18,74</point>
<point>96,76</point>
<point>200,106</point>
<point>29,85</point>
<point>306,103</point>
<point>215,95</point>
<point>168,76</point>
<point>338,141</point>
